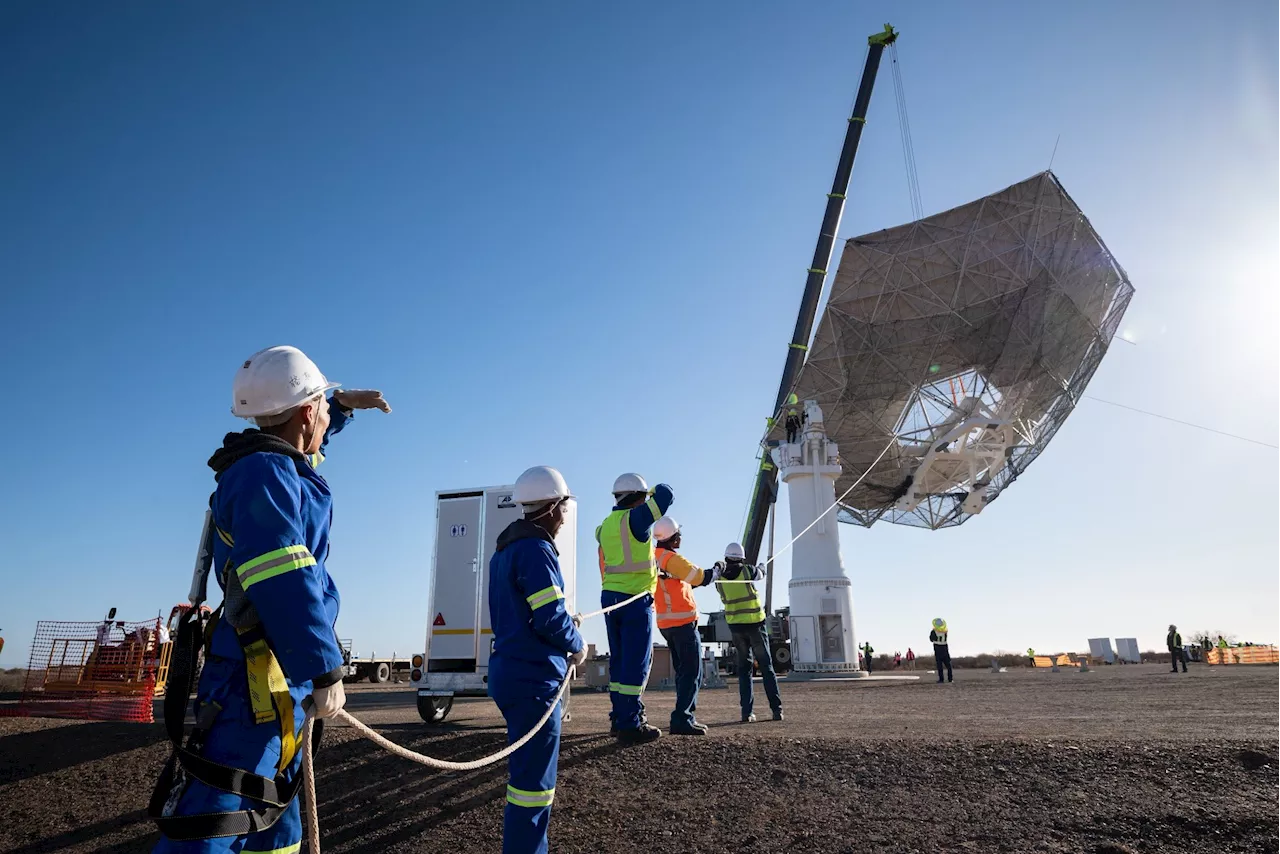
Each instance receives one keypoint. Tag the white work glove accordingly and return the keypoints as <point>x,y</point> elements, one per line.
<point>357,398</point>
<point>578,658</point>
<point>327,702</point>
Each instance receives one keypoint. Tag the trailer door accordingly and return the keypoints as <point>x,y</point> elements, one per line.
<point>500,510</point>
<point>455,583</point>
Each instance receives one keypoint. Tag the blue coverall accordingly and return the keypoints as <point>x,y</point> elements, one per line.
<point>630,629</point>
<point>273,514</point>
<point>533,635</point>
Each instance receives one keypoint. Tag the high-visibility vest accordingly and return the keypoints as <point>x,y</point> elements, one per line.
<point>741,601</point>
<point>673,602</point>
<point>942,638</point>
<point>626,564</point>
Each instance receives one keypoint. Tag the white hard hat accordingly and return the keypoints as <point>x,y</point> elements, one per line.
<point>539,484</point>
<point>734,551</point>
<point>665,528</point>
<point>628,483</point>
<point>275,380</point>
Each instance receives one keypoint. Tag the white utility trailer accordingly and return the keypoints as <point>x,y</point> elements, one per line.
<point>459,634</point>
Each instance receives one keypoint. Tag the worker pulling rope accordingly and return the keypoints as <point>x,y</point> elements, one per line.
<point>308,770</point>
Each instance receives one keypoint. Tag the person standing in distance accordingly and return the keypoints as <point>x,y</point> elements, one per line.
<point>535,642</point>
<point>1176,653</point>
<point>272,513</point>
<point>941,652</point>
<point>628,567</point>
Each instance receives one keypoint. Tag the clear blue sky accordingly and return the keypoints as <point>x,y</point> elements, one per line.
<point>575,234</point>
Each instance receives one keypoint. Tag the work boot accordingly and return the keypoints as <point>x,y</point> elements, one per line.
<point>749,719</point>
<point>777,715</point>
<point>689,729</point>
<point>641,735</point>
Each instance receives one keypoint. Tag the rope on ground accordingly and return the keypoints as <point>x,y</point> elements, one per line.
<point>308,765</point>
<point>308,769</point>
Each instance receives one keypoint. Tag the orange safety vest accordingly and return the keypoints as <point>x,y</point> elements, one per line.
<point>673,602</point>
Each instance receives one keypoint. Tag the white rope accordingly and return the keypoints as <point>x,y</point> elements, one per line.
<point>892,441</point>
<point>308,770</point>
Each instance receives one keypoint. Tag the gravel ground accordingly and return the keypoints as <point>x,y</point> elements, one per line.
<point>1123,759</point>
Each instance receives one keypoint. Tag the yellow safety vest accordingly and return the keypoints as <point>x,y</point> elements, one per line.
<point>741,601</point>
<point>628,565</point>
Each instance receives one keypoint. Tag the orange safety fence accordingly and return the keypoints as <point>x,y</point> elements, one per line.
<point>103,671</point>
<point>1243,655</point>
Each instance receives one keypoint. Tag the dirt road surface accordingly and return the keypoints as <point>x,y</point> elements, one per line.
<point>1121,759</point>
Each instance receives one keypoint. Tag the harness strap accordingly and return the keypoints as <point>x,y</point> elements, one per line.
<point>186,762</point>
<point>269,691</point>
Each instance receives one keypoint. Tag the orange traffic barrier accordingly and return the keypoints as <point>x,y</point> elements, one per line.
<point>1243,655</point>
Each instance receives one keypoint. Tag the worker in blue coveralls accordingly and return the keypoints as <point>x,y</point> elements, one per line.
<point>535,642</point>
<point>628,567</point>
<point>276,630</point>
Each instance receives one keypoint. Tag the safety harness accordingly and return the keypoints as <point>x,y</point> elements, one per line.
<point>269,698</point>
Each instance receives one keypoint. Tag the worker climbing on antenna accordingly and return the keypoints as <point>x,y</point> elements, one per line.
<point>535,642</point>
<point>629,569</point>
<point>677,615</point>
<point>793,426</point>
<point>271,644</point>
<point>941,652</point>
<point>793,420</point>
<point>736,584</point>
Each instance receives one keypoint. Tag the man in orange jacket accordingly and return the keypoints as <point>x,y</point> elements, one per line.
<point>677,615</point>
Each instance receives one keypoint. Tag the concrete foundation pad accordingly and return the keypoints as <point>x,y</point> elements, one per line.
<point>846,677</point>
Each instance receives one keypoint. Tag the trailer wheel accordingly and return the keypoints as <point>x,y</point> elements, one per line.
<point>380,673</point>
<point>782,657</point>
<point>433,710</point>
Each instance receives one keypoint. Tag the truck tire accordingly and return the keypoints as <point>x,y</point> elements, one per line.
<point>381,672</point>
<point>433,710</point>
<point>782,657</point>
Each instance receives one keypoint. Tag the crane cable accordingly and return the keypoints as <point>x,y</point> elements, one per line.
<point>904,129</point>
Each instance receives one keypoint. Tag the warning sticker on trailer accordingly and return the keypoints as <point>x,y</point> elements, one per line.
<point>505,501</point>
<point>439,620</point>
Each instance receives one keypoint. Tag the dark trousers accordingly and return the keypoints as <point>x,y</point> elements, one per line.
<point>686,659</point>
<point>866,661</point>
<point>1176,655</point>
<point>942,655</point>
<point>746,640</point>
